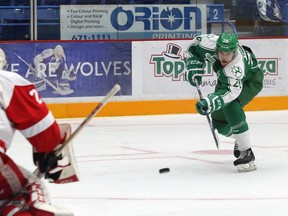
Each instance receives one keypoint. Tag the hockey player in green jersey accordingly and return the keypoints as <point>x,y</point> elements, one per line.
<point>239,80</point>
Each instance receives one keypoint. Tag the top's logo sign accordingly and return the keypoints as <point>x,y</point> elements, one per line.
<point>156,18</point>
<point>169,63</point>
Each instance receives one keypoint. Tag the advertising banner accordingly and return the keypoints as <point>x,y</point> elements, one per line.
<point>83,69</point>
<point>146,70</point>
<point>96,22</point>
<point>271,55</point>
<point>164,68</point>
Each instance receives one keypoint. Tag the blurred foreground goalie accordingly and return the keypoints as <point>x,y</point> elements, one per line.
<point>21,192</point>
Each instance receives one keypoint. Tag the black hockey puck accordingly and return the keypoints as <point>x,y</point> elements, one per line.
<point>164,170</point>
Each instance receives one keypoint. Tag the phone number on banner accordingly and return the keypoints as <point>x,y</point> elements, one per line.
<point>91,37</point>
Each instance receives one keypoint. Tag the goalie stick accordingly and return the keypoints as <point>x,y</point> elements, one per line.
<point>93,113</point>
<point>58,90</point>
<point>216,139</point>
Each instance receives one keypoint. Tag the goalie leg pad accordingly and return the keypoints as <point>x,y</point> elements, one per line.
<point>15,210</point>
<point>49,210</point>
<point>35,201</point>
<point>12,179</point>
<point>24,206</point>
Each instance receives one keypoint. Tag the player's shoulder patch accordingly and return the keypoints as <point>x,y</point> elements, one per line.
<point>237,71</point>
<point>236,68</point>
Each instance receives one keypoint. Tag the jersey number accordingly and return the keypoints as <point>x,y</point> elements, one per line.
<point>35,94</point>
<point>237,84</point>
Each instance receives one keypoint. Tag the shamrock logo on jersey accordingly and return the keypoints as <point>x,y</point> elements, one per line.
<point>236,71</point>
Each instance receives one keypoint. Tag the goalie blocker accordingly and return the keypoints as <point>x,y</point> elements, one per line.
<point>58,167</point>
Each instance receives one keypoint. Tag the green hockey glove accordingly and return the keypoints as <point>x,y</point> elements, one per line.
<point>195,70</point>
<point>209,104</point>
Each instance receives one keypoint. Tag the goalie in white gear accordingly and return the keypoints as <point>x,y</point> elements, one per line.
<point>53,61</point>
<point>22,192</point>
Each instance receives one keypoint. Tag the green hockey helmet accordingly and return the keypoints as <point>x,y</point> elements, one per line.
<point>227,42</point>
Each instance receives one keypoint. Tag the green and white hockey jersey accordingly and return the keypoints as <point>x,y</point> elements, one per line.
<point>242,70</point>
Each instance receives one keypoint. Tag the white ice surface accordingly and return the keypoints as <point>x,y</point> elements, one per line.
<point>119,159</point>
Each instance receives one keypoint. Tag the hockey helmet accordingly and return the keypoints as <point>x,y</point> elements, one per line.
<point>59,51</point>
<point>227,42</point>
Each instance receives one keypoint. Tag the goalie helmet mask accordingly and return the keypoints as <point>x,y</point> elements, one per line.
<point>58,51</point>
<point>227,42</point>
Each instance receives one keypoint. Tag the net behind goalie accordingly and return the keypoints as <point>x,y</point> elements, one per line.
<point>22,108</point>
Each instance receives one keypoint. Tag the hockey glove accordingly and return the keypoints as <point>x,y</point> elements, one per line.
<point>195,70</point>
<point>50,164</point>
<point>209,104</point>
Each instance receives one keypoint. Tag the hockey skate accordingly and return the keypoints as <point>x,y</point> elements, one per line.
<point>245,161</point>
<point>236,151</point>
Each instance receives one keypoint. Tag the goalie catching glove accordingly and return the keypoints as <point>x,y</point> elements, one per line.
<point>58,167</point>
<point>195,70</point>
<point>209,104</point>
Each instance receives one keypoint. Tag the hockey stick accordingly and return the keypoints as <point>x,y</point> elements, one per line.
<point>58,90</point>
<point>208,117</point>
<point>94,112</point>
